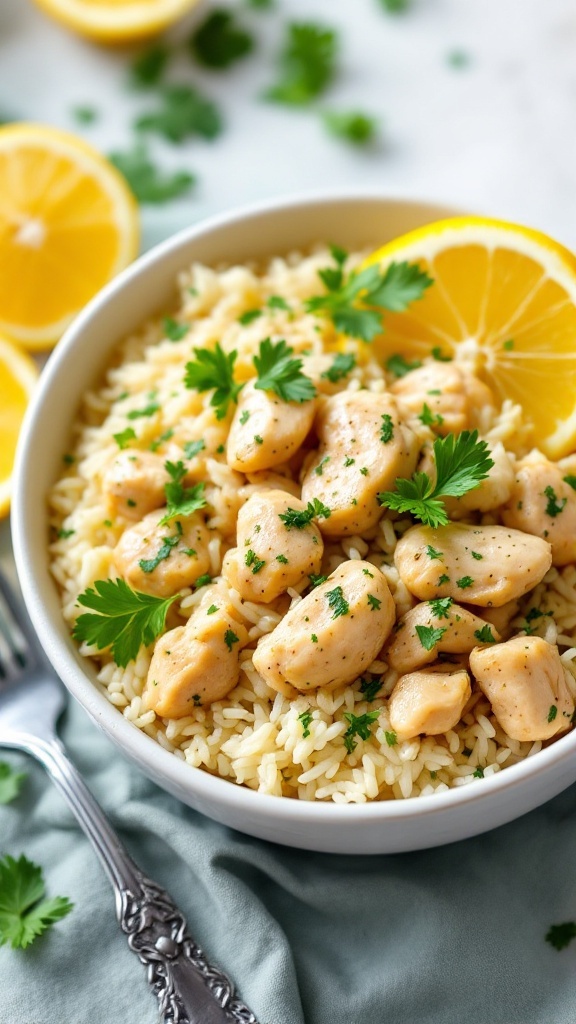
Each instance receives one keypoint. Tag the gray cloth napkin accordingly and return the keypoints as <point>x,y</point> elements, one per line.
<point>447,936</point>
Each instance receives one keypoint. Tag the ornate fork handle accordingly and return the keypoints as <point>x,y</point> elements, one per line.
<point>188,988</point>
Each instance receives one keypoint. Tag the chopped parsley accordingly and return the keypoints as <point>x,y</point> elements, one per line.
<point>370,688</point>
<point>181,501</point>
<point>571,481</point>
<point>508,345</point>
<point>552,713</point>
<point>125,619</point>
<point>258,439</point>
<point>429,636</point>
<point>159,441</point>
<point>203,581</point>
<point>478,773</point>
<point>477,556</point>
<point>343,364</point>
<point>252,560</point>
<point>124,438</point>
<point>364,470</point>
<point>244,417</point>
<point>438,355</point>
<point>183,112</point>
<point>391,738</point>
<point>337,602</point>
<point>278,371</point>
<point>485,635</point>
<point>300,518</point>
<point>314,638</point>
<point>374,602</point>
<point>387,428</point>
<point>561,935</point>
<point>149,66</point>
<point>368,573</point>
<point>305,718</point>
<point>553,509</point>
<point>10,782</point>
<point>193,448</point>
<point>359,725</point>
<point>147,410</point>
<point>399,366</point>
<point>220,41</point>
<point>430,419</point>
<point>230,639</point>
<point>443,579</point>
<point>24,913</point>
<point>432,553</point>
<point>277,302</point>
<point>352,126</point>
<point>65,534</point>
<point>282,559</point>
<point>213,608</point>
<point>214,369</point>
<point>173,330</point>
<point>348,461</point>
<point>319,469</point>
<point>148,183</point>
<point>464,582</point>
<point>461,463</point>
<point>441,606</point>
<point>249,317</point>
<point>164,551</point>
<point>307,64</point>
<point>316,579</point>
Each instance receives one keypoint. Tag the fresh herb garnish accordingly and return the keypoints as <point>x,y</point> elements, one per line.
<point>149,66</point>
<point>387,428</point>
<point>305,718</point>
<point>399,366</point>
<point>282,559</point>
<point>193,448</point>
<point>370,688</point>
<point>553,508</point>
<point>278,371</point>
<point>571,481</point>
<point>214,369</point>
<point>352,125</point>
<point>439,356</point>
<point>561,935</point>
<point>251,559</point>
<point>10,783</point>
<point>173,330</point>
<point>249,316</point>
<point>164,551</point>
<point>478,773</point>
<point>299,519</point>
<point>360,725</point>
<point>337,602</point>
<point>184,112</point>
<point>462,462</point>
<point>63,534</point>
<point>219,41</point>
<point>429,636</point>
<point>24,913</point>
<point>432,553</point>
<point>307,64</point>
<point>147,410</point>
<point>125,621</point>
<point>484,635</point>
<point>181,501</point>
<point>203,580</point>
<point>230,638</point>
<point>552,713</point>
<point>319,469</point>
<point>148,183</point>
<point>391,738</point>
<point>277,302</point>
<point>159,441</point>
<point>464,582</point>
<point>443,579</point>
<point>441,606</point>
<point>124,437</point>
<point>341,367</point>
<point>395,6</point>
<point>430,419</point>
<point>374,602</point>
<point>477,555</point>
<point>316,579</point>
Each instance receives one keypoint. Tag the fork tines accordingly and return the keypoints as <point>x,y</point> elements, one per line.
<point>15,651</point>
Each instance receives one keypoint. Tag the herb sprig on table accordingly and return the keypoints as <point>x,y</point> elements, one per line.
<point>24,913</point>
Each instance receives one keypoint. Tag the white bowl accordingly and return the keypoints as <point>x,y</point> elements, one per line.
<point>145,287</point>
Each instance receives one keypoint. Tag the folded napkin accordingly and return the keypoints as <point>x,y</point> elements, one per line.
<point>447,936</point>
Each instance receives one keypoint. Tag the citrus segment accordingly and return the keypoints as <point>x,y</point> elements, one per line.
<point>504,299</point>
<point>117,21</point>
<point>68,223</point>
<point>18,375</point>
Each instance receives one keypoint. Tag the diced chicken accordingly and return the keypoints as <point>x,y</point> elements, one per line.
<point>134,483</point>
<point>525,681</point>
<point>196,664</point>
<point>274,482</point>
<point>162,559</point>
<point>481,565</point>
<point>543,503</point>
<point>270,558</point>
<point>428,702</point>
<point>332,635</point>
<point>435,627</point>
<point>364,446</point>
<point>265,430</point>
<point>455,398</point>
<point>491,493</point>
<point>500,617</point>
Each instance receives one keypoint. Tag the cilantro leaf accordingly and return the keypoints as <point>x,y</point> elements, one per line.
<point>352,126</point>
<point>307,64</point>
<point>300,518</point>
<point>125,619</point>
<point>149,66</point>
<point>429,636</point>
<point>561,935</point>
<point>183,112</point>
<point>146,181</point>
<point>24,914</point>
<point>214,369</point>
<point>279,372</point>
<point>343,363</point>
<point>10,782</point>
<point>360,725</point>
<point>462,462</point>
<point>181,501</point>
<point>219,41</point>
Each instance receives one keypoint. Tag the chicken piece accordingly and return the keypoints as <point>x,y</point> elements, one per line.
<point>265,430</point>
<point>525,681</point>
<point>542,503</point>
<point>455,397</point>
<point>429,702</point>
<point>364,446</point>
<point>269,557</point>
<point>161,560</point>
<point>491,493</point>
<point>133,483</point>
<point>319,367</point>
<point>481,565</point>
<point>332,635</point>
<point>414,645</point>
<point>196,664</point>
<point>500,617</point>
<point>266,481</point>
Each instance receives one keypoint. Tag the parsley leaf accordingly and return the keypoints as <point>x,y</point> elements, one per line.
<point>429,636</point>
<point>193,448</point>
<point>279,372</point>
<point>300,518</point>
<point>484,635</point>
<point>359,726</point>
<point>307,64</point>
<point>561,935</point>
<point>219,41</point>
<point>305,718</point>
<point>24,914</point>
<point>571,481</point>
<point>251,559</point>
<point>397,365</point>
<point>433,553</point>
<point>164,551</point>
<point>230,638</point>
<point>353,126</point>
<point>370,688</point>
<point>214,369</point>
<point>464,582</point>
<point>149,66</point>
<point>184,112</point>
<point>124,437</point>
<point>10,782</point>
<point>181,501</point>
<point>174,330</point>
<point>374,602</point>
<point>353,301</point>
<point>553,507</point>
<point>337,602</point>
<point>341,367</point>
<point>316,579</point>
<point>441,606</point>
<point>147,182</point>
<point>552,713</point>
<point>249,316</point>
<point>387,428</point>
<point>461,463</point>
<point>125,619</point>
<point>391,738</point>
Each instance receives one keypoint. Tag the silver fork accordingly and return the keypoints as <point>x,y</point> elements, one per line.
<point>188,988</point>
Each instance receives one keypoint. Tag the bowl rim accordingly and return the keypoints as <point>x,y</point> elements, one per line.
<point>135,743</point>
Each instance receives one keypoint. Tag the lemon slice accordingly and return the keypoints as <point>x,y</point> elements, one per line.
<point>503,298</point>
<point>68,223</point>
<point>18,375</point>
<point>116,21</point>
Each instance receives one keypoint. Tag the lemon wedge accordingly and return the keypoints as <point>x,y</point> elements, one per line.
<point>117,21</point>
<point>503,299</point>
<point>18,375</point>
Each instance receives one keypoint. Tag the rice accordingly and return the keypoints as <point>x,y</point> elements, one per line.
<point>256,737</point>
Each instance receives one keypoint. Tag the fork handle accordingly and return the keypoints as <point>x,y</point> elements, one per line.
<point>188,988</point>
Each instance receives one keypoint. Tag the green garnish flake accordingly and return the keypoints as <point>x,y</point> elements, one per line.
<point>258,439</point>
<point>359,725</point>
<point>249,317</point>
<point>374,602</point>
<point>355,302</point>
<point>220,41</point>
<point>430,419</point>
<point>441,606</point>
<point>370,688</point>
<point>85,114</point>
<point>352,125</point>
<point>24,913</point>
<point>462,462</point>
<point>552,713</point>
<point>348,461</point>
<point>181,501</point>
<point>343,364</point>
<point>429,636</point>
<point>387,428</point>
<point>391,738</point>
<point>316,579</point>
<point>464,582</point>
<point>230,639</point>
<point>183,112</point>
<point>443,579</point>
<point>337,602</point>
<point>368,573</point>
<point>213,608</point>
<point>485,635</point>
<point>314,638</point>
<point>477,555</point>
<point>364,470</point>
<point>244,417</point>
<point>508,345</point>
<point>251,560</point>
<point>299,519</point>
<point>397,365</point>
<point>439,356</point>
<point>159,441</point>
<point>147,410</point>
<point>553,508</point>
<point>319,469</point>
<point>68,460</point>
<point>63,534</point>
<point>203,581</point>
<point>432,553</point>
<point>278,371</point>
<point>561,935</point>
<point>282,559</point>
<point>277,302</point>
<point>214,370</point>
<point>164,551</point>
<point>571,481</point>
<point>125,619</point>
<point>149,66</point>
<point>478,773</point>
<point>124,438</point>
<point>10,784</point>
<point>307,64</point>
<point>305,718</point>
<point>147,182</point>
<point>193,448</point>
<point>173,330</point>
